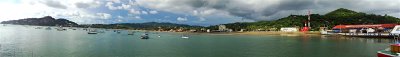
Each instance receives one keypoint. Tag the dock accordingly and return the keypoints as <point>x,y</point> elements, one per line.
<point>377,35</point>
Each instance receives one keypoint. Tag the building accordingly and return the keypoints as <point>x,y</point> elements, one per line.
<point>363,28</point>
<point>222,28</point>
<point>289,29</point>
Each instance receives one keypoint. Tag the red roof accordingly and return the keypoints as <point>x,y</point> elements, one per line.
<point>364,26</point>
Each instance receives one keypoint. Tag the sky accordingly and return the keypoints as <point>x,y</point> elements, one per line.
<point>192,12</point>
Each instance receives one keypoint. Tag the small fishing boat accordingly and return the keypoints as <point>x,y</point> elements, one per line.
<point>184,37</point>
<point>48,28</point>
<point>60,28</point>
<point>38,28</point>
<point>144,36</point>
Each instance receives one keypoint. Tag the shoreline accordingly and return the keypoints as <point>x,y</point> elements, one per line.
<point>256,33</point>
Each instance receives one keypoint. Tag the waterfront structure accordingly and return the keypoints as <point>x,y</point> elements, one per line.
<point>394,50</point>
<point>364,28</point>
<point>289,29</point>
<point>370,30</point>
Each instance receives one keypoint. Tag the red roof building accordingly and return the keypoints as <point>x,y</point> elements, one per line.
<point>364,26</point>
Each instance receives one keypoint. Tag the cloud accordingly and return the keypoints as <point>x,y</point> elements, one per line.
<point>110,5</point>
<point>54,4</point>
<point>91,4</point>
<point>138,17</point>
<point>181,19</point>
<point>153,12</point>
<point>265,9</point>
<point>115,1</point>
<point>120,17</point>
<point>121,5</point>
<point>202,19</point>
<point>103,15</point>
<point>145,12</point>
<point>133,11</point>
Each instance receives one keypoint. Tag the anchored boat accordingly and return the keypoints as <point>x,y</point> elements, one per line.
<point>93,31</point>
<point>394,50</point>
<point>144,36</point>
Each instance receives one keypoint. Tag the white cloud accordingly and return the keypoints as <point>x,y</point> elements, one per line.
<point>40,8</point>
<point>115,1</point>
<point>126,6</point>
<point>88,4</point>
<point>153,12</point>
<point>110,5</point>
<point>104,15</point>
<point>138,17</point>
<point>120,17</point>
<point>121,5</point>
<point>133,11</point>
<point>55,4</point>
<point>181,19</point>
<point>145,12</point>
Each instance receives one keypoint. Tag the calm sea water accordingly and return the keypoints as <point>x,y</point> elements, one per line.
<point>26,41</point>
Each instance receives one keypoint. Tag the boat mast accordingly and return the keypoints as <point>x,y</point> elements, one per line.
<point>309,18</point>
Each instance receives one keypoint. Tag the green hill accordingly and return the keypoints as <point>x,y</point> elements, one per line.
<point>336,17</point>
<point>143,26</point>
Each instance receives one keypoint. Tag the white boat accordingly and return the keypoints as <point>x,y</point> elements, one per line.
<point>92,32</point>
<point>38,28</point>
<point>60,28</point>
<point>185,37</point>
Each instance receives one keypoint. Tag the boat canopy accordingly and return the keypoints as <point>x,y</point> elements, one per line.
<point>396,30</point>
<point>364,26</point>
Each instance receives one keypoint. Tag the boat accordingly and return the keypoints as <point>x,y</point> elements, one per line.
<point>159,36</point>
<point>131,33</point>
<point>144,36</point>
<point>92,32</point>
<point>38,28</point>
<point>60,28</point>
<point>48,28</point>
<point>184,37</point>
<point>394,49</point>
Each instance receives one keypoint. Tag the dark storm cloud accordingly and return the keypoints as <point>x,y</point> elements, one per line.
<point>269,9</point>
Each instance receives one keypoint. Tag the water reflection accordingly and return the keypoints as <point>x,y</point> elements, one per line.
<point>27,42</point>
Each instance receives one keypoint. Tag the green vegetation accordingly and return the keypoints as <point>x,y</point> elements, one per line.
<point>144,26</point>
<point>337,17</point>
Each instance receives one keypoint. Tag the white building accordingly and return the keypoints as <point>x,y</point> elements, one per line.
<point>222,27</point>
<point>289,29</point>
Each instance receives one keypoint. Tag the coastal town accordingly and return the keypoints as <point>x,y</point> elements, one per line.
<point>200,28</point>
